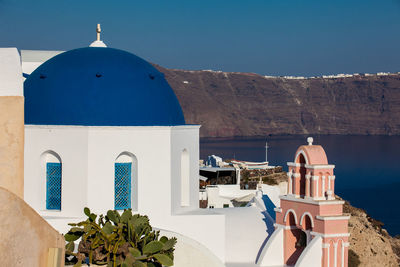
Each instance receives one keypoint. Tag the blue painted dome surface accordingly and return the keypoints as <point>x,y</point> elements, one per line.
<point>96,86</point>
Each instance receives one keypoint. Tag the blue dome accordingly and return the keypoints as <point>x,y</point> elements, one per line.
<point>96,86</point>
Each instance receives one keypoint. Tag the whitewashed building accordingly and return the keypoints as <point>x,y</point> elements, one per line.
<point>104,130</point>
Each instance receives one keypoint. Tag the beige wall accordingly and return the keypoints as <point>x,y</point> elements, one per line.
<point>12,144</point>
<point>25,237</point>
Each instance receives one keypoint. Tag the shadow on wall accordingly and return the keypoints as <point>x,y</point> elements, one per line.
<point>296,252</point>
<point>269,222</point>
<point>269,205</point>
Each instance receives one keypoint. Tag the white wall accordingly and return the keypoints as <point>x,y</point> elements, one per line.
<point>150,146</point>
<point>29,67</point>
<point>312,254</point>
<point>185,178</point>
<point>189,252</point>
<point>88,155</point>
<point>219,195</point>
<point>272,253</point>
<point>214,198</point>
<point>32,59</point>
<point>203,195</point>
<point>10,72</point>
<point>71,145</point>
<point>273,193</point>
<point>184,137</point>
<point>245,233</point>
<point>205,226</point>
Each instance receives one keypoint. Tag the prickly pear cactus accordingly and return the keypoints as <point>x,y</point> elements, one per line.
<point>118,240</point>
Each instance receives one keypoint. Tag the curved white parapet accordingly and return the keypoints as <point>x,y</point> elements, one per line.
<point>312,254</point>
<point>10,72</point>
<point>273,192</point>
<point>189,252</point>
<point>32,59</point>
<point>272,253</point>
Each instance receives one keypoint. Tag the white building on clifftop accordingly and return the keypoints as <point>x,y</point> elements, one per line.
<point>104,129</point>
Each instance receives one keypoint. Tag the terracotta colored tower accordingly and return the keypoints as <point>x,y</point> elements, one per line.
<point>312,220</point>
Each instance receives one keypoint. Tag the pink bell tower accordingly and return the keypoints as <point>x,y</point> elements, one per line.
<point>310,217</point>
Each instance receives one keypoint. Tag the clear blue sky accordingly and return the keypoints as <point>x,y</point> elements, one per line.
<point>270,37</point>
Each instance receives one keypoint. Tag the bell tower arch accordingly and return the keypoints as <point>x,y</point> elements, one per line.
<point>310,210</point>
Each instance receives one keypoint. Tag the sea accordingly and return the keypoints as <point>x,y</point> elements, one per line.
<point>367,168</point>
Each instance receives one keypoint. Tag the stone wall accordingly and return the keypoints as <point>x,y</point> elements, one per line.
<point>25,236</point>
<point>12,144</point>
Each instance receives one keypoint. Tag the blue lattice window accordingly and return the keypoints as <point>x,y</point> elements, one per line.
<point>123,185</point>
<point>53,186</point>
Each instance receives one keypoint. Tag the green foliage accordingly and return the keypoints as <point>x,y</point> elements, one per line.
<point>115,240</point>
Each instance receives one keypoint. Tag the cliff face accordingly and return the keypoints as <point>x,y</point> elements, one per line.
<point>370,244</point>
<point>243,104</point>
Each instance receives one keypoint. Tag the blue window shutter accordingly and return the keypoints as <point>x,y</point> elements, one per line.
<point>53,186</point>
<point>122,185</point>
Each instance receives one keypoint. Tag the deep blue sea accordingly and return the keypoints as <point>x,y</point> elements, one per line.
<point>367,167</point>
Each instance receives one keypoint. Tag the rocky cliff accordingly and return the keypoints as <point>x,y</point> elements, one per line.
<point>370,244</point>
<point>246,104</point>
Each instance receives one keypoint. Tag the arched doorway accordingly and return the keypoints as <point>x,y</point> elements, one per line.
<point>307,227</point>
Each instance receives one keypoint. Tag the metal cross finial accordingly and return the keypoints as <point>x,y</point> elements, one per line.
<point>98,30</point>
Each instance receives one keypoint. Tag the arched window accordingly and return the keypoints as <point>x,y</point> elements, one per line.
<point>123,185</point>
<point>185,178</point>
<point>312,185</point>
<point>307,223</point>
<point>327,183</point>
<point>53,167</point>
<point>302,161</point>
<point>125,181</point>
<point>290,218</point>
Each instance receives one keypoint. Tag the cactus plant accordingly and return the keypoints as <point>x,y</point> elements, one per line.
<point>115,240</point>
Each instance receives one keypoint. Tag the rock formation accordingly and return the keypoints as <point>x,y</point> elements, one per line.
<point>370,244</point>
<point>246,104</point>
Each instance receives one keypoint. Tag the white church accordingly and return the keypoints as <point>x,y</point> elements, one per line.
<point>104,130</point>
